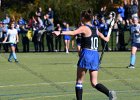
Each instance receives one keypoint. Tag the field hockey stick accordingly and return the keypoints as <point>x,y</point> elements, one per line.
<point>109,33</point>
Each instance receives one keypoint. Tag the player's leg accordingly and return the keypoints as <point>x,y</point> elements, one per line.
<point>94,82</point>
<point>78,49</point>
<point>100,87</point>
<point>13,47</point>
<point>133,57</point>
<point>11,54</point>
<point>79,80</point>
<point>66,45</point>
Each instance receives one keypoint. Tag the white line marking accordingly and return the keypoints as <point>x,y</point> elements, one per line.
<point>71,94</point>
<point>58,83</point>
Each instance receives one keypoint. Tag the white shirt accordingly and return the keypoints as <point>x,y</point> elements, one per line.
<point>12,33</point>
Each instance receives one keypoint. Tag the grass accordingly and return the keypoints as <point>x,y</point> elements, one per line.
<point>51,76</point>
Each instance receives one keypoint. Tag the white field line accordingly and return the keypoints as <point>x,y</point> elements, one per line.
<point>71,94</point>
<point>45,97</point>
<point>58,83</point>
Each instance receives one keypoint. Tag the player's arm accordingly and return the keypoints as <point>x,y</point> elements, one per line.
<point>5,39</point>
<point>77,31</point>
<point>17,38</point>
<point>102,36</point>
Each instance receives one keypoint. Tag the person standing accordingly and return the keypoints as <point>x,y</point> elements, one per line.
<point>104,29</point>
<point>67,39</point>
<point>134,8</point>
<point>51,14</point>
<point>49,27</point>
<point>58,39</point>
<point>24,38</point>
<point>12,36</point>
<point>89,57</point>
<point>135,41</point>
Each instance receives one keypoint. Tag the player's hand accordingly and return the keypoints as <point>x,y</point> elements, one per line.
<point>3,41</point>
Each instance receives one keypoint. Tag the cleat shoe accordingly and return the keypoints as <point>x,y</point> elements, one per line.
<point>131,66</point>
<point>112,95</point>
<point>9,60</point>
<point>16,61</point>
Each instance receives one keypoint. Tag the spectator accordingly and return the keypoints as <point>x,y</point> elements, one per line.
<point>58,39</point>
<point>121,11</point>
<point>49,26</point>
<point>6,20</point>
<point>4,31</point>
<point>51,14</point>
<point>78,39</point>
<point>134,8</point>
<point>104,30</point>
<point>127,13</point>
<point>21,21</point>
<point>40,35</point>
<point>25,40</point>
<point>102,12</point>
<point>121,28</point>
<point>67,38</point>
<point>32,23</point>
<point>1,34</point>
<point>95,21</point>
<point>39,13</point>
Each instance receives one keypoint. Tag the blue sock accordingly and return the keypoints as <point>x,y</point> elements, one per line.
<point>10,56</point>
<point>132,59</point>
<point>14,55</point>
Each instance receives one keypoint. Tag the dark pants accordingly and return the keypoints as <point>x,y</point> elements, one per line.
<point>6,47</point>
<point>103,45</point>
<point>1,44</point>
<point>49,39</point>
<point>121,41</point>
<point>58,43</point>
<point>35,41</point>
<point>25,43</point>
<point>41,44</point>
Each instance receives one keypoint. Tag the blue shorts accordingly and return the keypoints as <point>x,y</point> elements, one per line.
<point>67,37</point>
<point>137,45</point>
<point>12,44</point>
<point>89,59</point>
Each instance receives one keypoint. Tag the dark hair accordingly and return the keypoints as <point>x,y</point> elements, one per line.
<point>87,14</point>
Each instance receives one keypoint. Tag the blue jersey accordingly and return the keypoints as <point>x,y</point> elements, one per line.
<point>66,37</point>
<point>134,33</point>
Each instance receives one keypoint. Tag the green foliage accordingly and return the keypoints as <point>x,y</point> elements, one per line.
<point>68,10</point>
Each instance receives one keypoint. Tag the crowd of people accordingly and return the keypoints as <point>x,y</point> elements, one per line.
<point>41,25</point>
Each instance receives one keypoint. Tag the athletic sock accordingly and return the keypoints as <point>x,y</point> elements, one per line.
<point>14,55</point>
<point>132,59</point>
<point>10,57</point>
<point>79,91</point>
<point>102,89</point>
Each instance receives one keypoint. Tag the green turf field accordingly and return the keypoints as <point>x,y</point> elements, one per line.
<point>51,76</point>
